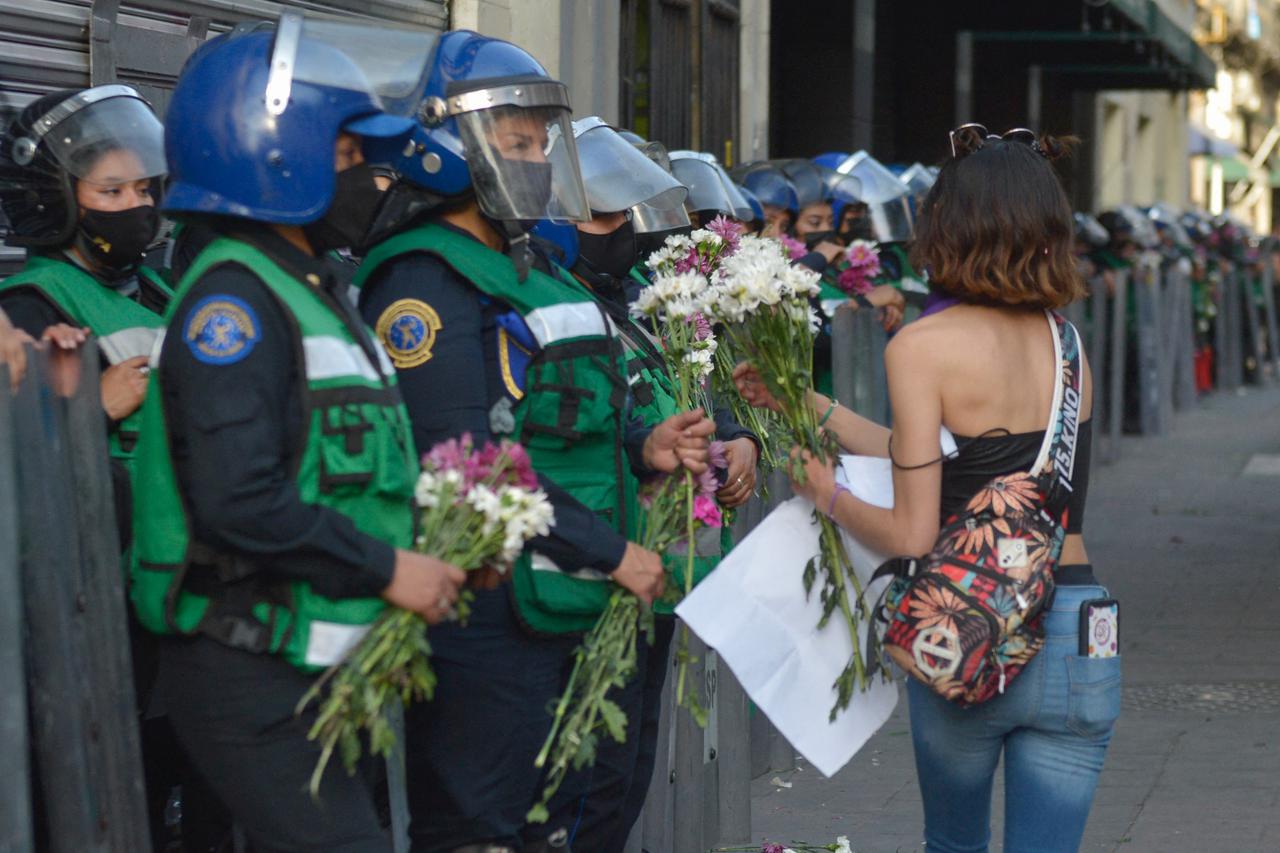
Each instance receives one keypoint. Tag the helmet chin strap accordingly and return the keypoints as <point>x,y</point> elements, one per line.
<point>517,245</point>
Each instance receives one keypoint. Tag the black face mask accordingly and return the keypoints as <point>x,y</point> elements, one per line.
<point>613,254</point>
<point>857,229</point>
<point>647,244</point>
<point>528,186</point>
<point>815,237</point>
<point>116,239</point>
<point>355,203</point>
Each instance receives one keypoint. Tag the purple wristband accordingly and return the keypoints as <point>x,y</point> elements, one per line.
<point>840,487</point>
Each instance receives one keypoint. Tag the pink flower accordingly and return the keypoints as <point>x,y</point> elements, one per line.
<point>864,256</point>
<point>706,510</point>
<point>795,249</point>
<point>727,230</point>
<point>449,455</point>
<point>521,466</point>
<point>855,280</point>
<point>770,847</point>
<point>701,327</point>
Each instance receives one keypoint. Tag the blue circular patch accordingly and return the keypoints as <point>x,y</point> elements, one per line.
<point>221,329</point>
<point>407,329</point>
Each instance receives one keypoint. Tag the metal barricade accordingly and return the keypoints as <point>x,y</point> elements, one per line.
<point>1252,339</point>
<point>1269,310</point>
<point>1152,365</point>
<point>83,727</point>
<point>1227,327</point>
<point>858,378</point>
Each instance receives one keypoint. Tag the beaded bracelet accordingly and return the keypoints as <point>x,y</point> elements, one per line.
<point>823,420</point>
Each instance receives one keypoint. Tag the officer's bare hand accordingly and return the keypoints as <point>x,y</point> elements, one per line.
<point>681,439</point>
<point>829,250</point>
<point>424,585</point>
<point>124,386</point>
<point>742,454</point>
<point>12,352</point>
<point>641,573</point>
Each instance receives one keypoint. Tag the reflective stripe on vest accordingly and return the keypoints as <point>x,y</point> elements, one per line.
<point>129,343</point>
<point>556,323</point>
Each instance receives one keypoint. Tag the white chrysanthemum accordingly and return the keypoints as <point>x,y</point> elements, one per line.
<point>486,501</point>
<point>703,237</point>
<point>427,490</point>
<point>671,296</point>
<point>675,248</point>
<point>526,514</point>
<point>842,844</point>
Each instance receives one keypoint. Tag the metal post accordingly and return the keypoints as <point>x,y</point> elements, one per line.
<point>864,73</point>
<point>15,788</point>
<point>1098,351</point>
<point>1035,94</point>
<point>398,800</point>
<point>1222,335</point>
<point>1117,358</point>
<point>1269,306</point>
<point>964,77</point>
<point>1149,350</point>
<point>1251,345</point>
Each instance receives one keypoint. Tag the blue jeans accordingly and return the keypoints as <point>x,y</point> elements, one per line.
<point>1053,724</point>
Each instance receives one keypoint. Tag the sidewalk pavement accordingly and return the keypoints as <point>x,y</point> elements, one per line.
<point>1189,541</point>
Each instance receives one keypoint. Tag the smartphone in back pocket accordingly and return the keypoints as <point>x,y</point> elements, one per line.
<point>1100,628</point>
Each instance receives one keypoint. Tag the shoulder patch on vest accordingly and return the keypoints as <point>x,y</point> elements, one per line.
<point>221,329</point>
<point>408,329</point>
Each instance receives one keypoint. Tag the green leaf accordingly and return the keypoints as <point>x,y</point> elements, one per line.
<point>615,721</point>
<point>538,814</point>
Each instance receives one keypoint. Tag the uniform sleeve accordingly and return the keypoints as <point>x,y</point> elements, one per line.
<point>29,311</point>
<point>234,421</point>
<point>447,391</point>
<point>728,429</point>
<point>815,261</point>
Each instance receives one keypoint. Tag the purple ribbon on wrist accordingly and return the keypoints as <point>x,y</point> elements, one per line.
<point>840,487</point>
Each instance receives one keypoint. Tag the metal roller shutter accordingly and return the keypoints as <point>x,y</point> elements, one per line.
<point>45,44</point>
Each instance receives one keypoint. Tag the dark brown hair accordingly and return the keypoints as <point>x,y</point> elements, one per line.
<point>996,227</point>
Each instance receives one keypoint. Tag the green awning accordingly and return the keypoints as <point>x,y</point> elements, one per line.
<point>1233,168</point>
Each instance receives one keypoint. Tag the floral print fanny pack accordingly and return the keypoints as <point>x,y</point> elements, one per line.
<point>966,618</point>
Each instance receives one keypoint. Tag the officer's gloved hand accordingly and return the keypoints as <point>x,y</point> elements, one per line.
<point>424,585</point>
<point>681,439</point>
<point>640,572</point>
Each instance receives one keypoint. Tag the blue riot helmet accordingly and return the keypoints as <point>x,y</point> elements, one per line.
<point>632,137</point>
<point>831,159</point>
<point>253,120</point>
<point>104,135</point>
<point>771,186</point>
<point>807,178</point>
<point>711,191</point>
<point>886,197</point>
<point>848,210</point>
<point>756,222</point>
<point>918,178</point>
<point>557,240</point>
<point>495,124</point>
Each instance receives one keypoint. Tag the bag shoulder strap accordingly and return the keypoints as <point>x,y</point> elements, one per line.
<point>1064,421</point>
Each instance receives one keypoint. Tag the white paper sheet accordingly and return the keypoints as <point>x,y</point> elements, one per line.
<point>753,611</point>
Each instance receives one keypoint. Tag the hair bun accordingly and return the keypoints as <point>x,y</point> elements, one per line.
<point>1057,147</point>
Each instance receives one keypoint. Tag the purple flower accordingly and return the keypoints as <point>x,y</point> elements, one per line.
<point>794,248</point>
<point>855,280</point>
<point>701,327</point>
<point>449,455</point>
<point>719,455</point>
<point>727,230</point>
<point>770,847</point>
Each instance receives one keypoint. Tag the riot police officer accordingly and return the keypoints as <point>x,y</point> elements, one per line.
<point>485,344</point>
<point>278,458</point>
<point>619,180</point>
<point>79,178</point>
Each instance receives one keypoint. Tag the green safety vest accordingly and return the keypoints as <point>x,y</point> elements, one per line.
<point>357,458</point>
<point>570,415</point>
<point>124,329</point>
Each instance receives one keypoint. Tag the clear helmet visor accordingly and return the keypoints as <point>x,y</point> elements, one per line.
<point>618,175</point>
<point>878,183</point>
<point>710,187</point>
<point>647,219</point>
<point>111,141</point>
<point>391,64</point>
<point>918,178</point>
<point>524,163</point>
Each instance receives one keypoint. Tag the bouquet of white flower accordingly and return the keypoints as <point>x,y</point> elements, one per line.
<point>478,509</point>
<point>763,302</point>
